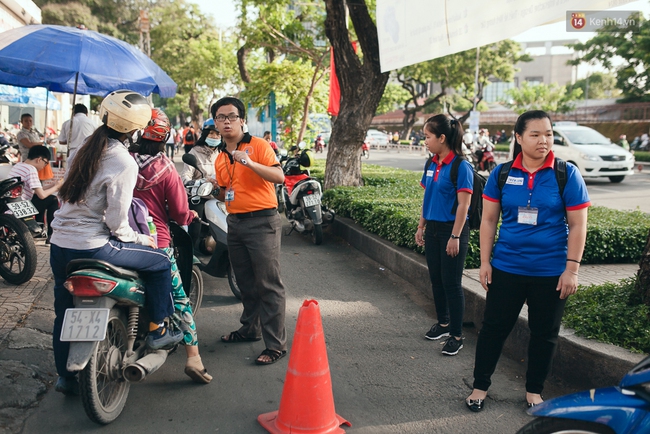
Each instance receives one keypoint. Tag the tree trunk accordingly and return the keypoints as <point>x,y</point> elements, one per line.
<point>362,86</point>
<point>643,281</point>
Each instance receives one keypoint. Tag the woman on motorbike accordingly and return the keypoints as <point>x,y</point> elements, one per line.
<point>205,150</point>
<point>161,189</point>
<point>93,223</point>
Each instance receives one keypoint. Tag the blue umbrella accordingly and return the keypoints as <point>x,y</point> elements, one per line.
<point>25,97</point>
<point>67,59</point>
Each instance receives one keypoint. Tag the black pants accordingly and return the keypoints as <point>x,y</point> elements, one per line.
<point>505,298</point>
<point>46,208</point>
<point>446,273</point>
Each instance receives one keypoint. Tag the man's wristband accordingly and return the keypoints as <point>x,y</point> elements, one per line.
<point>573,260</point>
<point>420,227</point>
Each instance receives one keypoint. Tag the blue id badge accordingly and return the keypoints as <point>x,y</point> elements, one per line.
<point>230,195</point>
<point>527,216</point>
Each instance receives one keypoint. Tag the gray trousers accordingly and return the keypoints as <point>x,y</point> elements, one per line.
<point>254,250</point>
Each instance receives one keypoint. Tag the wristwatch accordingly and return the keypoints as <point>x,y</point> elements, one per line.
<point>454,237</point>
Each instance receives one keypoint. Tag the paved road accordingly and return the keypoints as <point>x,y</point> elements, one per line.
<point>386,377</point>
<point>631,194</point>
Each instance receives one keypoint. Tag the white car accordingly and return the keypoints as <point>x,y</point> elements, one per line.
<point>594,154</point>
<point>377,139</point>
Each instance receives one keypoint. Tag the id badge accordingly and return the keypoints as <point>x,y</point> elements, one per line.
<point>527,216</point>
<point>230,195</point>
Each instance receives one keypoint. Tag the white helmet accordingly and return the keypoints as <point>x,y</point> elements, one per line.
<point>125,111</point>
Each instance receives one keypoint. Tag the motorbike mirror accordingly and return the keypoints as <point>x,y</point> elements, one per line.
<point>283,152</point>
<point>302,145</point>
<point>191,160</point>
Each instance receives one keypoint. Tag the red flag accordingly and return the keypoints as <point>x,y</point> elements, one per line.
<point>335,90</point>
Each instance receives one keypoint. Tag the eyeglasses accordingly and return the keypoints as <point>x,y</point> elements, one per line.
<point>222,118</point>
<point>45,161</point>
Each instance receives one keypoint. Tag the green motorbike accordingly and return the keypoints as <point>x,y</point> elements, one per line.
<point>108,325</point>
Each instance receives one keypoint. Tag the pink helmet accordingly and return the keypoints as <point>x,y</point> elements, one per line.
<point>158,128</point>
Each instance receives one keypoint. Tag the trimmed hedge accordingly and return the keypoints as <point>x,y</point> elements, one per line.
<point>642,156</point>
<point>613,313</point>
<point>389,204</point>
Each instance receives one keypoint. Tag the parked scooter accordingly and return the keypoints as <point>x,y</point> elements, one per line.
<point>108,326</point>
<point>17,224</point>
<point>300,197</point>
<point>210,240</point>
<point>610,410</point>
<point>484,160</point>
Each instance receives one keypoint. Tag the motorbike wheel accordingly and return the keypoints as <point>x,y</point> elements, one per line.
<point>491,165</point>
<point>366,154</point>
<point>232,282</point>
<point>196,290</point>
<point>103,388</point>
<point>279,194</point>
<point>17,250</point>
<point>317,234</point>
<point>546,425</point>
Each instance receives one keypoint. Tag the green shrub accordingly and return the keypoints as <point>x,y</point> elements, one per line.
<point>389,206</point>
<point>502,148</point>
<point>642,156</point>
<point>611,313</point>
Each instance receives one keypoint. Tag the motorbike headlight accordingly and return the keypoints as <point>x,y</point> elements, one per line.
<point>205,189</point>
<point>589,157</point>
<point>222,207</point>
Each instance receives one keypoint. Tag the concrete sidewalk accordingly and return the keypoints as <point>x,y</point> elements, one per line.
<point>27,314</point>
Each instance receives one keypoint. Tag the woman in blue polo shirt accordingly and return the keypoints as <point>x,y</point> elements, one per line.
<point>444,214</point>
<point>536,258</point>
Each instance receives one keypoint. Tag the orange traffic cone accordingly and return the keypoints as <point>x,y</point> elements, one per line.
<point>307,403</point>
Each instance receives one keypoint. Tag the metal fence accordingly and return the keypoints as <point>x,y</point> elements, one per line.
<point>628,112</point>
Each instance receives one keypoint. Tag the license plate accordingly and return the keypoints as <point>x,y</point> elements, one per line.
<point>22,208</point>
<point>83,325</point>
<point>617,166</point>
<point>311,200</point>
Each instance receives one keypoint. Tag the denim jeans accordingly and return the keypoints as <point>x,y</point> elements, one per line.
<point>152,264</point>
<point>505,298</point>
<point>446,273</point>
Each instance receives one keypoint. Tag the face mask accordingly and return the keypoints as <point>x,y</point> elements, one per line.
<point>213,143</point>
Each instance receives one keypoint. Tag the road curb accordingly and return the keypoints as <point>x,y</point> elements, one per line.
<point>578,362</point>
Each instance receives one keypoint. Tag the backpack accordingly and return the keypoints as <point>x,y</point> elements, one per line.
<point>559,166</point>
<point>138,213</point>
<point>475,212</point>
<point>189,136</point>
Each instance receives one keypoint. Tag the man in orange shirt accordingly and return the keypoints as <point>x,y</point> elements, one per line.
<point>246,171</point>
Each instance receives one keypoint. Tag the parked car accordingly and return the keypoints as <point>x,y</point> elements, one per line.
<point>594,154</point>
<point>377,139</point>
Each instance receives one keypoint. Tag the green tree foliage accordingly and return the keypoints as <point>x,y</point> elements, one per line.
<point>393,97</point>
<point>550,98</point>
<point>282,32</point>
<point>598,85</point>
<point>290,94</point>
<point>456,73</point>
<point>628,45</point>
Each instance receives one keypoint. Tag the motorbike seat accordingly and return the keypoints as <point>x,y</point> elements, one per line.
<point>291,181</point>
<point>95,264</point>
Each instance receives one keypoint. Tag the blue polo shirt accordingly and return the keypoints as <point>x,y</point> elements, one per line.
<point>541,249</point>
<point>439,191</point>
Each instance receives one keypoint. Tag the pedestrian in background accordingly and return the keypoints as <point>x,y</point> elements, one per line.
<point>189,137</point>
<point>82,127</point>
<point>27,136</point>
<point>246,172</point>
<point>623,143</point>
<point>536,257</point>
<point>170,144</point>
<point>442,229</point>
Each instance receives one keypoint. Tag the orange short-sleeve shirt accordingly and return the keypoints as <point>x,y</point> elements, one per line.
<point>252,192</point>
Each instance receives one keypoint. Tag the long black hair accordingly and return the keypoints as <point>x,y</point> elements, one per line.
<point>451,128</point>
<point>522,124</point>
<point>86,163</point>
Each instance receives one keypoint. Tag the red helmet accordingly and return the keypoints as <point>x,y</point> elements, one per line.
<point>158,128</point>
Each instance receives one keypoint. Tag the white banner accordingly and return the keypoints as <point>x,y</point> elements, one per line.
<point>413,31</point>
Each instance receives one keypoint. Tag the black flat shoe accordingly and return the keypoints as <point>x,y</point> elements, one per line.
<point>475,405</point>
